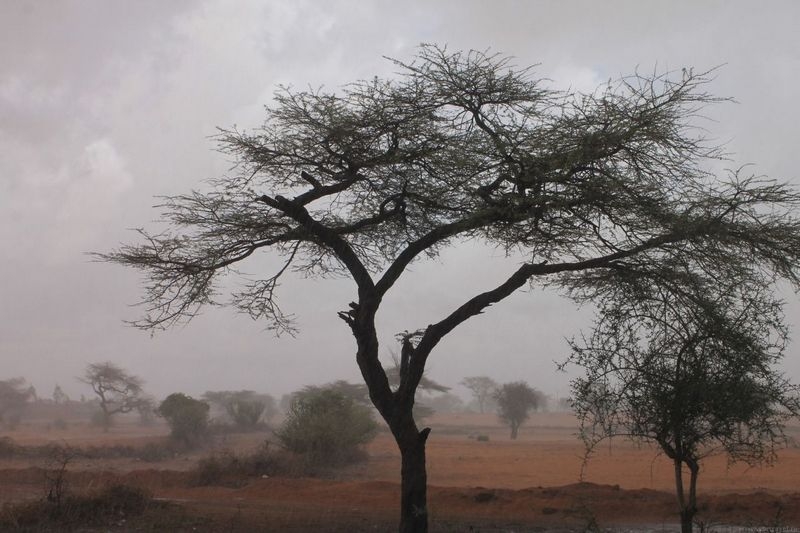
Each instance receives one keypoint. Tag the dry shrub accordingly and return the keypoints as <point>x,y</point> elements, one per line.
<point>228,468</point>
<point>95,509</point>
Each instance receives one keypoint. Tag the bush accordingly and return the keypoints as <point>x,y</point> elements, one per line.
<point>327,427</point>
<point>187,418</point>
<point>74,511</point>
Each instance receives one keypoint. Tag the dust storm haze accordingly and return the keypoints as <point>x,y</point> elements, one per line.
<point>106,106</point>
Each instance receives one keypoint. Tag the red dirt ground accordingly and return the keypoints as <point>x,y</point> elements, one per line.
<point>529,484</point>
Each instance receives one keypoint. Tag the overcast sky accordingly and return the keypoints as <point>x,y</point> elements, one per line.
<point>105,105</point>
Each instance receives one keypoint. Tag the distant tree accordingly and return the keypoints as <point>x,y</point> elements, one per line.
<point>514,402</point>
<point>458,146</point>
<point>445,403</point>
<point>117,391</point>
<point>687,361</point>
<point>146,407</point>
<point>356,392</point>
<point>327,427</point>
<point>483,389</point>
<point>14,397</point>
<point>59,397</point>
<point>245,408</point>
<point>186,416</point>
<point>426,384</point>
<point>564,404</point>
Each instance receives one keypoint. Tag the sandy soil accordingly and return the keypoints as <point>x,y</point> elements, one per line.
<point>530,484</point>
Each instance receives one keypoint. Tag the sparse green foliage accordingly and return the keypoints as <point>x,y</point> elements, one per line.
<point>327,427</point>
<point>514,403</point>
<point>687,360</point>
<point>186,416</point>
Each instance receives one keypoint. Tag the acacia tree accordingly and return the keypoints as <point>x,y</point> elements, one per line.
<point>117,390</point>
<point>514,403</point>
<point>686,361</point>
<point>457,146</point>
<point>483,389</point>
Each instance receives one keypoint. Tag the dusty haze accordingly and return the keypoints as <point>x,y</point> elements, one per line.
<point>106,105</point>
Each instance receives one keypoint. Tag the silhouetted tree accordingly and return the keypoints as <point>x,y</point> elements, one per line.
<point>483,389</point>
<point>686,360</point>
<point>515,402</point>
<point>459,146</point>
<point>116,390</point>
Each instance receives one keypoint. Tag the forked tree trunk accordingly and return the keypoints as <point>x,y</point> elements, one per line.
<point>514,430</point>
<point>413,478</point>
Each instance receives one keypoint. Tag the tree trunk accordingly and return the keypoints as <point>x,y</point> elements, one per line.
<point>687,508</point>
<point>691,507</point>
<point>414,479</point>
<point>514,431</point>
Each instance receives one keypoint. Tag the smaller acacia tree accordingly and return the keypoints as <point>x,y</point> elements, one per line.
<point>687,362</point>
<point>483,388</point>
<point>514,403</point>
<point>117,390</point>
<point>186,416</point>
